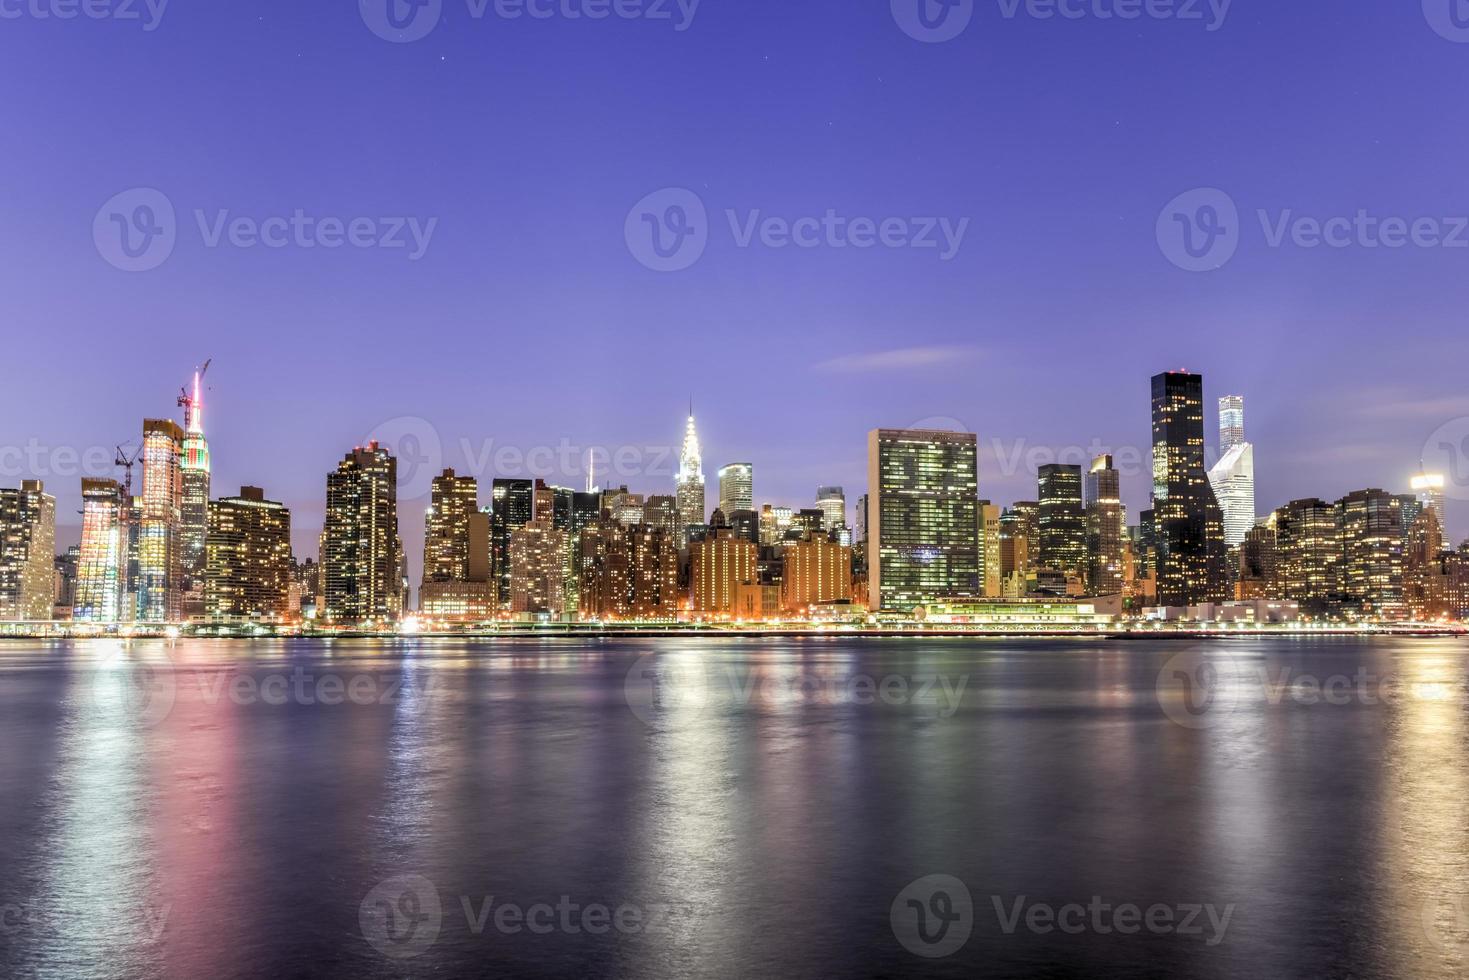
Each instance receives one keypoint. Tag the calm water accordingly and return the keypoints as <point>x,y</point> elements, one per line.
<point>731,808</point>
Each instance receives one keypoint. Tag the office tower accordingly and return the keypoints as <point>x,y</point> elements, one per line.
<point>512,506</point>
<point>1257,572</point>
<point>1307,552</point>
<point>815,571</point>
<point>1028,513</point>
<point>719,563</point>
<point>27,553</point>
<point>248,568</point>
<point>1015,553</point>
<point>305,587</point>
<point>746,524</point>
<point>362,553</point>
<point>1105,528</point>
<point>736,487</point>
<point>661,511</point>
<point>1188,524</point>
<point>690,486</point>
<point>1425,585</point>
<point>538,567</point>
<point>1061,520</point>
<point>194,513</point>
<point>1233,477</point>
<point>806,521</point>
<point>832,502</point>
<point>1369,581</point>
<point>160,586</point>
<point>773,524</point>
<point>923,504</point>
<point>101,568</point>
<point>990,568</point>
<point>1429,489</point>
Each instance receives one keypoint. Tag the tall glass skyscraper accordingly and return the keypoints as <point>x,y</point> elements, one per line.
<point>923,517</point>
<point>160,595</point>
<point>1188,523</point>
<point>1061,523</point>
<point>1105,528</point>
<point>1233,477</point>
<point>101,567</point>
<point>736,488</point>
<point>194,514</point>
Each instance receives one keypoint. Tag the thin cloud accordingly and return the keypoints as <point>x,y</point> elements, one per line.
<point>902,359</point>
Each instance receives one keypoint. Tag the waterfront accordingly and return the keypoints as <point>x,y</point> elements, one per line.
<point>729,807</point>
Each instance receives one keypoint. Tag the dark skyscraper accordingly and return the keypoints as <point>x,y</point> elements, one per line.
<point>1188,524</point>
<point>513,506</point>
<point>1104,527</point>
<point>1061,523</point>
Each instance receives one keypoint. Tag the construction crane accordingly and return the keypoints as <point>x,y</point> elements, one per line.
<point>126,462</point>
<point>193,404</point>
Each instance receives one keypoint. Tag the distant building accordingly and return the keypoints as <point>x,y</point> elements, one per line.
<point>628,573</point>
<point>1307,553</point>
<point>689,488</point>
<point>815,571</point>
<point>923,517</point>
<point>1062,519</point>
<point>718,564</point>
<point>248,566</point>
<point>991,574</point>
<point>512,507</point>
<point>459,582</point>
<point>1257,576</point>
<point>102,564</point>
<point>27,553</point>
<point>832,502</point>
<point>195,466</point>
<point>538,567</point>
<point>362,553</point>
<point>1369,580</point>
<point>1188,524</point>
<point>736,487</point>
<point>1105,528</point>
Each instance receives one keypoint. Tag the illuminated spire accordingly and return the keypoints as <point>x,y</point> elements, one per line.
<point>195,421</point>
<point>690,461</point>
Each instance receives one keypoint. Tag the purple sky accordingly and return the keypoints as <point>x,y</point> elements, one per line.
<point>528,320</point>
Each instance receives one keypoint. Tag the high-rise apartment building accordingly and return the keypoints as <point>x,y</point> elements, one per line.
<point>458,561</point>
<point>1233,477</point>
<point>923,504</point>
<point>1188,524</point>
<point>248,568</point>
<point>27,552</point>
<point>1061,519</point>
<point>816,571</point>
<point>1307,553</point>
<point>538,569</point>
<point>160,585</point>
<point>102,566</point>
<point>736,487</point>
<point>718,563</point>
<point>1106,528</point>
<point>362,555</point>
<point>1369,581</point>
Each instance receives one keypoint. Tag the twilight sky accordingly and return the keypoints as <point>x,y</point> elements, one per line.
<point>523,146</point>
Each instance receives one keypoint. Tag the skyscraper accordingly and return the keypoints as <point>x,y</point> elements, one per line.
<point>194,513</point>
<point>690,485</point>
<point>923,501</point>
<point>362,553</point>
<point>27,552</point>
<point>248,570</point>
<point>101,569</point>
<point>816,570</point>
<point>1369,580</point>
<point>1307,553</point>
<point>538,569</point>
<point>160,587</point>
<point>513,506</point>
<point>718,564</point>
<point>990,573</point>
<point>1429,489</point>
<point>458,580</point>
<point>1105,528</point>
<point>736,487</point>
<point>1233,477</point>
<point>1061,520</point>
<point>1188,524</point>
<point>832,502</point>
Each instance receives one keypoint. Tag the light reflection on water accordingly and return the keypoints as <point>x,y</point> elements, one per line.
<point>163,824</point>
